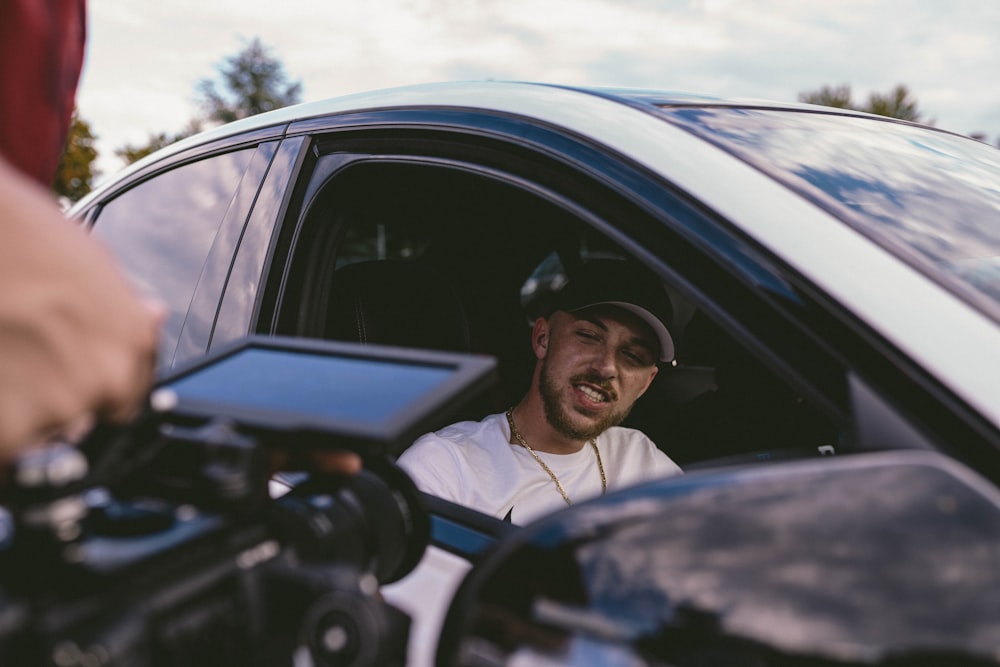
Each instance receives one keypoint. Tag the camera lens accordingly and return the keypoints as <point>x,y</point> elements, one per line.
<point>374,520</point>
<point>348,628</point>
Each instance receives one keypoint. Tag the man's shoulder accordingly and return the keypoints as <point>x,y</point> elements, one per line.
<point>459,434</point>
<point>460,431</point>
<point>629,444</point>
<point>617,434</point>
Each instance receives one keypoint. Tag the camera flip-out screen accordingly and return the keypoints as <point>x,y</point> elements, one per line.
<point>368,398</point>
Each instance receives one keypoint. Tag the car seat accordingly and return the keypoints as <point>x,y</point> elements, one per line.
<point>396,302</point>
<point>749,416</point>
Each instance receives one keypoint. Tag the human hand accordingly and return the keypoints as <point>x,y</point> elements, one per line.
<point>76,342</point>
<point>317,461</point>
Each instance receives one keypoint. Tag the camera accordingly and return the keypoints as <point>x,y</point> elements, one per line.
<point>171,542</point>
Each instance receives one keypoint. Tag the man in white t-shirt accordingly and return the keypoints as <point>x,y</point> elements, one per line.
<point>597,352</point>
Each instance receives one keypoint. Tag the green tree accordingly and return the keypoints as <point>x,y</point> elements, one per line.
<point>76,172</point>
<point>830,96</point>
<point>983,137</point>
<point>130,153</point>
<point>250,82</point>
<point>897,103</point>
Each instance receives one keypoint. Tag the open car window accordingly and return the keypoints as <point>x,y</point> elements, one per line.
<point>498,251</point>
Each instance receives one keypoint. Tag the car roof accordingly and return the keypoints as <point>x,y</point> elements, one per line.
<point>679,99</point>
<point>500,96</point>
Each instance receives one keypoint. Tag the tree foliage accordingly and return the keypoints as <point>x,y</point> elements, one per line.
<point>130,153</point>
<point>897,103</point>
<point>250,82</point>
<point>838,97</point>
<point>76,172</point>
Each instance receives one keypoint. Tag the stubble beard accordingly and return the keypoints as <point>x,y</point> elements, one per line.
<point>558,417</point>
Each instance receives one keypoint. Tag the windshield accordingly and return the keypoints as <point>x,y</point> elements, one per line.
<point>930,197</point>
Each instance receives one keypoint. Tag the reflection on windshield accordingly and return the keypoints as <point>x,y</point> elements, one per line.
<point>931,197</point>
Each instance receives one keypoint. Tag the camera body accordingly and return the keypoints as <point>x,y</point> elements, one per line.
<point>161,544</point>
<point>94,576</point>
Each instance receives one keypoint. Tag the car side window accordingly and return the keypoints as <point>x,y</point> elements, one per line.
<point>162,230</point>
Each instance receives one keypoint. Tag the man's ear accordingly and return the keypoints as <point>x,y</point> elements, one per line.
<point>652,375</point>
<point>540,337</point>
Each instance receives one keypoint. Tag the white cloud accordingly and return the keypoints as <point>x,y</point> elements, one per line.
<point>144,59</point>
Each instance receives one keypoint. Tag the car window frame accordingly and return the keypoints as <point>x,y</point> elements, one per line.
<point>775,311</point>
<point>641,239</point>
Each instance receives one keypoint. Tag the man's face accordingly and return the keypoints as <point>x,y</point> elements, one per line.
<point>596,363</point>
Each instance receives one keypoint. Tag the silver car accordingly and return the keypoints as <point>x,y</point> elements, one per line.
<point>836,286</point>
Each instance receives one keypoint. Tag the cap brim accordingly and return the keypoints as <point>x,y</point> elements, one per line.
<point>660,329</point>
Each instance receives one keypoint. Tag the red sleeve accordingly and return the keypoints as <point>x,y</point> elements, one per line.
<point>41,56</point>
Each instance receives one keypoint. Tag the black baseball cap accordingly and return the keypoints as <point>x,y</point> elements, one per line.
<point>625,285</point>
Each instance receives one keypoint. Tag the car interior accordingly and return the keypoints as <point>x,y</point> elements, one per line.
<point>428,256</point>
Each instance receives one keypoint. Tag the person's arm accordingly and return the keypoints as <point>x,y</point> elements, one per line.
<point>76,342</point>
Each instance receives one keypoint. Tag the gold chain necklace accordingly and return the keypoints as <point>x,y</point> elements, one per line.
<point>593,445</point>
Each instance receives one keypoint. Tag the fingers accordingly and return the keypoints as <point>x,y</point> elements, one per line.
<point>329,462</point>
<point>345,463</point>
<point>75,340</point>
<point>135,361</point>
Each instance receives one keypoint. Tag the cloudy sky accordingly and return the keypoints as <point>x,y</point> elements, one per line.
<point>145,59</point>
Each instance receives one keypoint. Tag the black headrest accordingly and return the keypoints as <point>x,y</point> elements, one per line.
<point>396,302</point>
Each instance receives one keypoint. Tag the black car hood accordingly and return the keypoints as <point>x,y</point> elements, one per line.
<point>854,560</point>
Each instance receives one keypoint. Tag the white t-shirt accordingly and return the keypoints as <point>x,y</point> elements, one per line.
<point>474,464</point>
